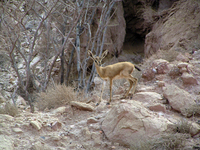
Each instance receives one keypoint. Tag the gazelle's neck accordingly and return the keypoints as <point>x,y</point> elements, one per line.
<point>99,70</point>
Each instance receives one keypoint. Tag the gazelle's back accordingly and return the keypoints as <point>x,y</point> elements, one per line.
<point>119,69</point>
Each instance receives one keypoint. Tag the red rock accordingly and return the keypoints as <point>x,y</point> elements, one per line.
<point>56,125</point>
<point>188,78</point>
<point>158,108</point>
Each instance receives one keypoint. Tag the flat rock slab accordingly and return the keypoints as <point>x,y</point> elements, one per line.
<point>59,110</point>
<point>36,124</point>
<point>149,97</point>
<point>82,106</point>
<point>17,130</point>
<point>158,108</point>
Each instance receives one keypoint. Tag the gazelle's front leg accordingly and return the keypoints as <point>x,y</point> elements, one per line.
<point>102,89</point>
<point>111,82</point>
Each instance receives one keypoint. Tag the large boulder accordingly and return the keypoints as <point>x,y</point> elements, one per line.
<point>179,99</point>
<point>130,120</point>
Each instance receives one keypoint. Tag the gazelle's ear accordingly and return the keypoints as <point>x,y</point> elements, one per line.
<point>104,54</point>
<point>90,54</point>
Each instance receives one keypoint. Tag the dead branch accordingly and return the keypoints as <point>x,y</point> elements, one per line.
<point>65,40</point>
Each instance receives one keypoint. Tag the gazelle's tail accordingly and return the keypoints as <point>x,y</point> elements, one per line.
<point>138,68</point>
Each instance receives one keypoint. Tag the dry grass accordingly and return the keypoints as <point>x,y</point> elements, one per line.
<point>163,142</point>
<point>193,110</point>
<point>9,109</point>
<point>170,141</point>
<point>166,141</point>
<point>56,96</point>
<point>183,126</point>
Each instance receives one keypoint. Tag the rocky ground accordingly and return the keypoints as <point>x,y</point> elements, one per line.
<point>164,112</point>
<point>167,101</point>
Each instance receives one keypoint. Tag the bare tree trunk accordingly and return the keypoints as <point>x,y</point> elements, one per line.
<point>47,48</point>
<point>62,57</point>
<point>78,53</point>
<point>78,32</point>
<point>69,65</point>
<point>62,70</point>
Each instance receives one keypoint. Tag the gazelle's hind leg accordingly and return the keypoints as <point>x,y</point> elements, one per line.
<point>131,85</point>
<point>132,81</point>
<point>135,81</point>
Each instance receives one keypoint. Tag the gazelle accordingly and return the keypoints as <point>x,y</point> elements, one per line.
<point>116,71</point>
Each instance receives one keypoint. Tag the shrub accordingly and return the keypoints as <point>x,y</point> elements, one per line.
<point>9,109</point>
<point>195,109</point>
<point>170,141</point>
<point>55,96</point>
<point>166,141</point>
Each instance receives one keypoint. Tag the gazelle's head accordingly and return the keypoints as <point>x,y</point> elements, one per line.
<point>97,59</point>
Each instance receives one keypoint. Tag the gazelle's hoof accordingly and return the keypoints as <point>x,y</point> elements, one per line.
<point>123,97</point>
<point>107,103</point>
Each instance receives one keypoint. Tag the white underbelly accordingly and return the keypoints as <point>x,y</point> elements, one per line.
<point>116,77</point>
